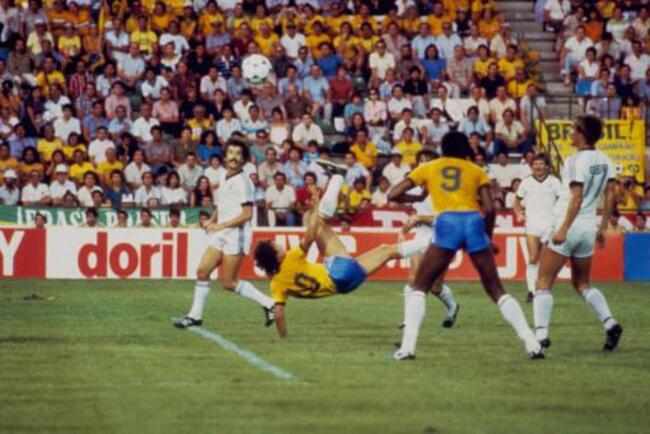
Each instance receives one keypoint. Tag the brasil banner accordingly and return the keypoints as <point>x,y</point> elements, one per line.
<point>24,216</point>
<point>623,142</point>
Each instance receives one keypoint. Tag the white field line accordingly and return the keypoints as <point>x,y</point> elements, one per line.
<point>249,356</point>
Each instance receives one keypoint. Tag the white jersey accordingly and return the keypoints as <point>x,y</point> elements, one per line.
<point>425,208</point>
<point>539,197</point>
<point>591,168</point>
<point>234,192</point>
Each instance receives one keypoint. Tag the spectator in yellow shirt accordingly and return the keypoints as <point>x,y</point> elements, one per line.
<point>260,19</point>
<point>267,40</point>
<point>105,168</point>
<point>359,197</point>
<point>316,38</point>
<point>160,18</point>
<point>437,19</point>
<point>364,150</point>
<point>408,147</point>
<point>69,43</point>
<point>145,38</point>
<point>48,144</point>
<point>518,86</point>
<point>509,64</point>
<point>80,166</point>
<point>208,17</point>
<point>488,25</point>
<point>482,64</point>
<point>49,77</point>
<point>74,144</point>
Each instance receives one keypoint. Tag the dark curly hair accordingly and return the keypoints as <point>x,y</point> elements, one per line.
<point>266,257</point>
<point>241,143</point>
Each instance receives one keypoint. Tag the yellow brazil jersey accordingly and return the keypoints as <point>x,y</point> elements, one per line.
<point>207,20</point>
<point>188,28</point>
<point>411,26</point>
<point>368,44</point>
<point>452,183</point>
<point>256,23</point>
<point>161,21</point>
<point>300,278</point>
<point>348,44</point>
<point>357,21</point>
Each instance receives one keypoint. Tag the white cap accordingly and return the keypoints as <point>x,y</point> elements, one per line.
<point>61,168</point>
<point>10,173</point>
<point>39,21</point>
<point>396,151</point>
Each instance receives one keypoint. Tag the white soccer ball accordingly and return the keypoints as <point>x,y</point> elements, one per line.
<point>256,68</point>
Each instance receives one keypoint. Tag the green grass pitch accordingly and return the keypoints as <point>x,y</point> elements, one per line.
<point>102,356</point>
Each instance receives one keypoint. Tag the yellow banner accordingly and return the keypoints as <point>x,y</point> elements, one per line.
<point>623,142</point>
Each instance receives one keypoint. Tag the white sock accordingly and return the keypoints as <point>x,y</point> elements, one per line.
<point>409,248</point>
<point>531,277</point>
<point>330,199</point>
<point>511,311</point>
<point>447,298</point>
<point>415,309</point>
<point>542,309</point>
<point>246,289</point>
<point>201,291</point>
<point>596,301</point>
<point>407,293</point>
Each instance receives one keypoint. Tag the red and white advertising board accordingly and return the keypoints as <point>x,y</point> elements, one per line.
<point>76,253</point>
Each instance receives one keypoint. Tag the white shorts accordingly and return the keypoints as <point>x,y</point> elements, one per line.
<point>538,228</point>
<point>232,241</point>
<point>579,243</point>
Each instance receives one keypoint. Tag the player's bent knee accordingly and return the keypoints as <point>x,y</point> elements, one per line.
<point>229,285</point>
<point>202,274</point>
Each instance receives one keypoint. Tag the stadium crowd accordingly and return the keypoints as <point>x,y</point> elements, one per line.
<point>129,103</point>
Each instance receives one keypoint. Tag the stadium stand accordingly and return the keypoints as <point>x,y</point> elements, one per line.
<point>126,104</point>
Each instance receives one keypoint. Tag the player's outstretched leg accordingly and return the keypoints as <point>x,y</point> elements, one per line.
<point>435,261</point>
<point>595,299</point>
<point>413,249</point>
<point>229,281</point>
<point>550,263</point>
<point>210,260</point>
<point>511,310</point>
<point>446,296</point>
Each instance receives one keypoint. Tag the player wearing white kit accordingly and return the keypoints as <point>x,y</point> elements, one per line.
<point>229,237</point>
<point>586,175</point>
<point>534,203</point>
<point>421,224</point>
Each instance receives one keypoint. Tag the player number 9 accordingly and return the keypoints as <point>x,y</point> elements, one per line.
<point>451,176</point>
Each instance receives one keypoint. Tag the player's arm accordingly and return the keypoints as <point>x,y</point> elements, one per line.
<point>518,208</point>
<point>610,202</point>
<point>489,211</point>
<point>575,201</point>
<point>280,322</point>
<point>398,193</point>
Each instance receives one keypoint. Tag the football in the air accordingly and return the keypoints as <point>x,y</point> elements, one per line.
<point>256,68</point>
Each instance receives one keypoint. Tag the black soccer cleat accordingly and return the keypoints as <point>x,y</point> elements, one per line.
<point>401,326</point>
<point>187,322</point>
<point>545,343</point>
<point>530,297</point>
<point>537,355</point>
<point>450,320</point>
<point>612,337</point>
<point>269,316</point>
<point>332,168</point>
